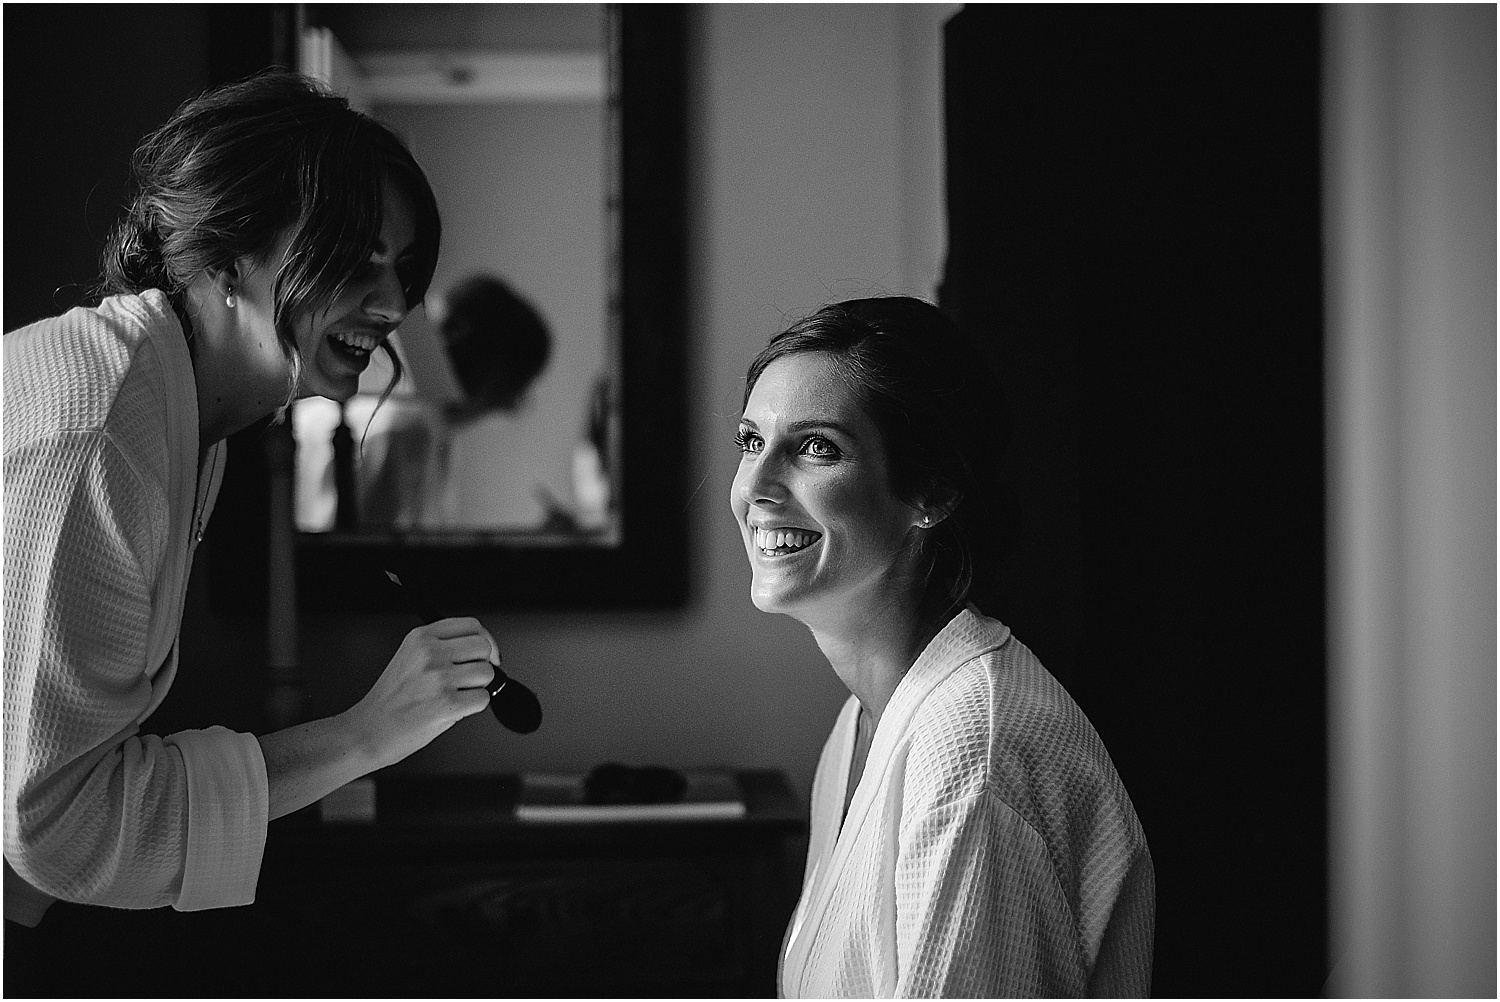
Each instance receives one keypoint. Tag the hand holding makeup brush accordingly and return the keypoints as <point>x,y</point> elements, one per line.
<point>513,704</point>
<point>440,674</point>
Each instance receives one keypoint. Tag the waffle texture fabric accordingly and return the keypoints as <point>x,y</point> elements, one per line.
<point>105,500</point>
<point>990,849</point>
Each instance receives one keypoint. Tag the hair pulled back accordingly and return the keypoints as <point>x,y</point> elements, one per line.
<point>496,341</point>
<point>235,168</point>
<point>943,421</point>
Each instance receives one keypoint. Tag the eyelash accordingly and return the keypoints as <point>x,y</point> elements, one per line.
<point>832,451</point>
<point>747,442</point>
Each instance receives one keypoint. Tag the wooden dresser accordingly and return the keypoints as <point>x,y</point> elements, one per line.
<point>447,894</point>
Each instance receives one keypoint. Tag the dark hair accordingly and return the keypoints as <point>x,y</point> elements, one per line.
<point>234,168</point>
<point>496,341</point>
<point>943,421</point>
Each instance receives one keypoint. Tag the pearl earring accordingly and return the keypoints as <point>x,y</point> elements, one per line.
<point>229,300</point>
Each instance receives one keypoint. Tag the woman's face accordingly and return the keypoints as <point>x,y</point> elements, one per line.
<point>336,341</point>
<point>825,536</point>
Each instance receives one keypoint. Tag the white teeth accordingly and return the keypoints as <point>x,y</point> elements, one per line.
<point>360,342</point>
<point>789,540</point>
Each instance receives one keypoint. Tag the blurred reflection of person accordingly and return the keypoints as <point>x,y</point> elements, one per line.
<point>407,443</point>
<point>496,345</point>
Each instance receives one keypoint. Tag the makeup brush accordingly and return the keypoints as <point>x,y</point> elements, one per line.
<point>513,704</point>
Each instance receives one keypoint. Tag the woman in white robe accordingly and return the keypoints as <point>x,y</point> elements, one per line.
<point>275,240</point>
<point>970,835</point>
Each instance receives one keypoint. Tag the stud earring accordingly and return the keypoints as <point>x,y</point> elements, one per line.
<point>229,300</point>
<point>926,520</point>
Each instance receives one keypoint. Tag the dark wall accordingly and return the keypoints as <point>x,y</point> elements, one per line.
<point>76,105</point>
<point>83,84</point>
<point>1134,220</point>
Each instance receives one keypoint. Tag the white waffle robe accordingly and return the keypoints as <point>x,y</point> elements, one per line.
<point>105,501</point>
<point>990,849</point>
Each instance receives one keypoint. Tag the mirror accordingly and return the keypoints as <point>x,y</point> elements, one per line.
<point>529,444</point>
<point>501,421</point>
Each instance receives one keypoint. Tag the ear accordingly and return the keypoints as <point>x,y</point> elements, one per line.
<point>930,513</point>
<point>208,290</point>
<point>218,282</point>
<point>930,518</point>
<point>230,281</point>
<point>230,276</point>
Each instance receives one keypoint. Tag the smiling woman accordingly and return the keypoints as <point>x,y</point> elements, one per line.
<point>825,533</point>
<point>321,349</point>
<point>340,337</point>
<point>276,240</point>
<point>970,836</point>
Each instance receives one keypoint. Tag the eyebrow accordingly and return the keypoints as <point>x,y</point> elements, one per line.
<point>809,424</point>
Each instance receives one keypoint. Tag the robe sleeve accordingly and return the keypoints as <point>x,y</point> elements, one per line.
<point>94,811</point>
<point>980,912</point>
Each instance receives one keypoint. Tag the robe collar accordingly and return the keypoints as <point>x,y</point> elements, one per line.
<point>967,636</point>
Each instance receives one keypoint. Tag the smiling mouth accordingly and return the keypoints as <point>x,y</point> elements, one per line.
<point>778,542</point>
<point>355,345</point>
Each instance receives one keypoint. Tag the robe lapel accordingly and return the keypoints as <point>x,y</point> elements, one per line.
<point>966,636</point>
<point>829,788</point>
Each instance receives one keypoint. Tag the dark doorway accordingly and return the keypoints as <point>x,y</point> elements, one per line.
<point>1134,227</point>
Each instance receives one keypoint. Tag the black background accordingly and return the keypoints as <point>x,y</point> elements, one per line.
<point>1134,236</point>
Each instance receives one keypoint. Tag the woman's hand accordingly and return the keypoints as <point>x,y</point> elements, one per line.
<point>437,677</point>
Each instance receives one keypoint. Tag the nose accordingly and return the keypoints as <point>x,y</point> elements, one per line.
<point>760,482</point>
<point>386,298</point>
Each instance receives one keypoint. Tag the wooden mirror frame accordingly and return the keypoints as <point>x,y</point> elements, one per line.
<point>649,568</point>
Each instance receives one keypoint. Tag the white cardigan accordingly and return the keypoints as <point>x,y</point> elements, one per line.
<point>989,851</point>
<point>104,503</point>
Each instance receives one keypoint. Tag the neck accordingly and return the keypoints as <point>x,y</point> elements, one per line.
<point>230,398</point>
<point>872,650</point>
<point>225,407</point>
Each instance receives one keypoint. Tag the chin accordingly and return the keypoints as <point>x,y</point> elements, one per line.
<point>337,390</point>
<point>763,600</point>
<point>342,394</point>
<point>775,601</point>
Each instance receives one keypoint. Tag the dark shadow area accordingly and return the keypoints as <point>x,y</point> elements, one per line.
<point>1134,217</point>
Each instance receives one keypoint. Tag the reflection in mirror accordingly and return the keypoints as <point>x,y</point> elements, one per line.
<point>503,423</point>
<point>620,541</point>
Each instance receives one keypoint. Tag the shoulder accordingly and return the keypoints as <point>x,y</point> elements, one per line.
<point>1000,745</point>
<point>1001,724</point>
<point>92,369</point>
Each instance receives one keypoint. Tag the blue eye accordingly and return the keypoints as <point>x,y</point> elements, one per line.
<point>748,441</point>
